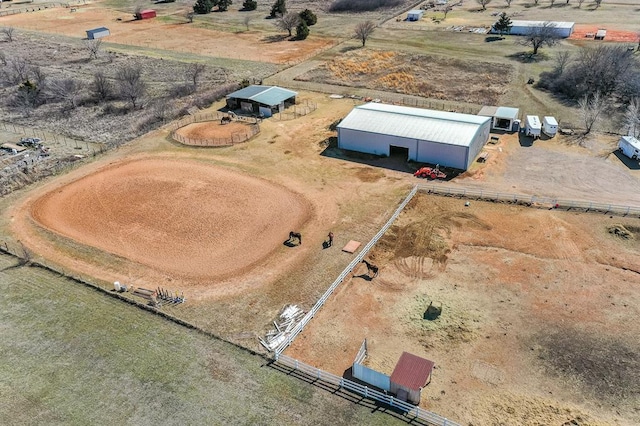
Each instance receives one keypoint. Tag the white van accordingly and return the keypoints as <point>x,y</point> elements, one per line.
<point>549,126</point>
<point>630,147</point>
<point>532,126</point>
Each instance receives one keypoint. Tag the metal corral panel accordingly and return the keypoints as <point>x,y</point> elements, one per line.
<point>414,123</point>
<point>561,29</point>
<point>372,377</point>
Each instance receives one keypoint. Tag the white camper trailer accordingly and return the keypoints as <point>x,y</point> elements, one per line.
<point>630,147</point>
<point>549,126</point>
<point>533,126</point>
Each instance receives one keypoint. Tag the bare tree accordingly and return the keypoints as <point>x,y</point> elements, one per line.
<point>552,2</point>
<point>194,71</point>
<point>632,117</point>
<point>536,2</point>
<point>580,3</point>
<point>591,107</point>
<point>597,3</point>
<point>364,30</point>
<point>247,21</point>
<point>3,58</point>
<point>541,36</point>
<point>288,22</point>
<point>446,10</point>
<point>17,70</point>
<point>65,90</point>
<point>130,84</point>
<point>8,33</point>
<point>190,16</point>
<point>561,60</point>
<point>483,3</point>
<point>101,86</point>
<point>508,2</point>
<point>93,46</point>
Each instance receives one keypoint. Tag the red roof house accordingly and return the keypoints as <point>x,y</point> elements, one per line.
<point>410,375</point>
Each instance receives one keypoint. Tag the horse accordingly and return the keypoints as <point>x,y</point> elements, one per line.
<point>371,268</point>
<point>296,235</point>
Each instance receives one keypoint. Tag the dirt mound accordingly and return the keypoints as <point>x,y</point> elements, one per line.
<point>620,231</point>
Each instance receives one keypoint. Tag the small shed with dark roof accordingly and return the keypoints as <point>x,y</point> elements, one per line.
<point>410,375</point>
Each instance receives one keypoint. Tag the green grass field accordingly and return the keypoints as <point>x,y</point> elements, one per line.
<point>71,355</point>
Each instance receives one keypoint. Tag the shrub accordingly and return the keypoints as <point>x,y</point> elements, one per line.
<point>308,17</point>
<point>250,5</point>
<point>279,8</point>
<point>302,30</point>
<point>203,7</point>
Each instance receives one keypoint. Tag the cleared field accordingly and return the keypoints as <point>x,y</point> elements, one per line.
<point>168,35</point>
<point>188,220</point>
<point>435,77</point>
<point>74,356</point>
<point>537,325</point>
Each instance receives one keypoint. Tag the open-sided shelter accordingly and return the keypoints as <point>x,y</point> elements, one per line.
<point>427,136</point>
<point>503,118</point>
<point>265,100</point>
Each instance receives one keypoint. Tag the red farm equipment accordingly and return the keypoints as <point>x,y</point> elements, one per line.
<point>430,172</point>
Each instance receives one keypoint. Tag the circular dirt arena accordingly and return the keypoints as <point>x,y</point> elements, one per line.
<point>210,130</point>
<point>182,218</point>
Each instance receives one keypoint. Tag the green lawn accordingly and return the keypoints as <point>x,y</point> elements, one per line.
<point>71,355</point>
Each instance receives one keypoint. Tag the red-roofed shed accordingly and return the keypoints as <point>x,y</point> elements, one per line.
<point>411,374</point>
<point>147,14</point>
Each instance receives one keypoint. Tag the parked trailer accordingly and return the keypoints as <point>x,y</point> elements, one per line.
<point>533,126</point>
<point>549,126</point>
<point>630,147</point>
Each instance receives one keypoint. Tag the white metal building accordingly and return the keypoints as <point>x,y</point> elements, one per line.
<point>437,137</point>
<point>415,15</point>
<point>561,29</point>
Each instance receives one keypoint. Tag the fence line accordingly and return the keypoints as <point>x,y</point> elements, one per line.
<point>409,410</point>
<point>305,320</point>
<point>38,7</point>
<point>531,200</point>
<point>299,110</point>
<point>237,137</point>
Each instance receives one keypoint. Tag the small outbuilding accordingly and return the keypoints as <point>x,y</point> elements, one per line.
<point>600,34</point>
<point>503,118</point>
<point>97,33</point>
<point>410,375</point>
<point>13,148</point>
<point>415,15</point>
<point>265,100</point>
<point>560,29</point>
<point>146,14</point>
<point>437,137</point>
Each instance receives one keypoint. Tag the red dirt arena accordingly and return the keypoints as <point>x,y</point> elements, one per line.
<point>188,220</point>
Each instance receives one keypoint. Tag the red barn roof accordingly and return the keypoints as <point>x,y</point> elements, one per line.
<point>411,371</point>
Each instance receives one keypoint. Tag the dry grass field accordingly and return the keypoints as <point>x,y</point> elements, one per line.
<point>538,313</point>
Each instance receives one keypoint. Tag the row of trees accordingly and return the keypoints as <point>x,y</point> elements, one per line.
<point>596,3</point>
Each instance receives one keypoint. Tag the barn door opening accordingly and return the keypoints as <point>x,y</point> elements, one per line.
<point>399,152</point>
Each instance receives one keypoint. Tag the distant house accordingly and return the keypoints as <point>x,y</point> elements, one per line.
<point>411,374</point>
<point>97,33</point>
<point>146,14</point>
<point>265,100</point>
<point>560,29</point>
<point>415,15</point>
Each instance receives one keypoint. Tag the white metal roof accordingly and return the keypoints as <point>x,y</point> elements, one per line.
<point>631,141</point>
<point>415,12</point>
<point>414,123</point>
<point>550,121</point>
<point>556,24</point>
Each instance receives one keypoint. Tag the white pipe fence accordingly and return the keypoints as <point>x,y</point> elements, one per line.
<point>305,320</point>
<point>409,410</point>
<point>532,200</point>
